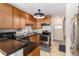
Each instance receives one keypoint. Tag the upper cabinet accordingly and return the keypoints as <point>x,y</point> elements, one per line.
<point>46,20</point>
<point>5,16</point>
<point>23,19</point>
<point>37,25</point>
<point>11,17</point>
<point>16,18</point>
<point>19,18</point>
<point>29,19</point>
<point>39,22</point>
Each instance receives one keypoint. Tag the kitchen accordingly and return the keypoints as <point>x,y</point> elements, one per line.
<point>22,34</point>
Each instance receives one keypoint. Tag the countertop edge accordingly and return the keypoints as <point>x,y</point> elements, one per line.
<point>3,52</point>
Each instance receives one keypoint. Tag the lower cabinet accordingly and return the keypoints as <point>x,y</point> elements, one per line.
<point>18,53</point>
<point>35,52</point>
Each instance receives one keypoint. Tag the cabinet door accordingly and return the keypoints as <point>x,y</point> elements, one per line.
<point>29,19</point>
<point>19,52</point>
<point>16,18</point>
<point>5,16</point>
<point>1,21</point>
<point>37,25</point>
<point>46,20</point>
<point>23,18</point>
<point>40,21</point>
<point>35,52</point>
<point>34,26</point>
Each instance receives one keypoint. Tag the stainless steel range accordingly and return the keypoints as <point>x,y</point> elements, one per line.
<point>45,39</point>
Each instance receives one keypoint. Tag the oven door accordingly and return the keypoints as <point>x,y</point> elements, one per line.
<point>45,40</point>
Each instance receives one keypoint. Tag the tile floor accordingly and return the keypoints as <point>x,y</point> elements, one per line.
<point>54,51</point>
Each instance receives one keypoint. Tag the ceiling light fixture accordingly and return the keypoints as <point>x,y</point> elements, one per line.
<point>39,15</point>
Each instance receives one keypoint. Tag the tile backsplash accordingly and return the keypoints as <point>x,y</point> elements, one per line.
<point>7,30</point>
<point>26,30</point>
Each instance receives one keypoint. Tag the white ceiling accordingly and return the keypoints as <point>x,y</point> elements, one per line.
<point>54,9</point>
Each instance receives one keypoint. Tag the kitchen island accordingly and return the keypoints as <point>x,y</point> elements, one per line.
<point>10,46</point>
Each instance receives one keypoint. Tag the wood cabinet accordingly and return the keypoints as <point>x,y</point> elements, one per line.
<point>11,17</point>
<point>19,18</point>
<point>29,19</point>
<point>38,22</point>
<point>35,38</point>
<point>16,18</point>
<point>37,25</point>
<point>34,26</point>
<point>5,16</point>
<point>23,18</point>
<point>35,52</point>
<point>46,20</point>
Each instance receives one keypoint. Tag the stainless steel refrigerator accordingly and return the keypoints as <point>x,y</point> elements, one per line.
<point>75,36</point>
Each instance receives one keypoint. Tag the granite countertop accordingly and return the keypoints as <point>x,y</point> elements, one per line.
<point>30,48</point>
<point>10,46</point>
<point>32,34</point>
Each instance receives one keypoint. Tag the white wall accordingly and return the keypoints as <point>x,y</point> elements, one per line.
<point>58,28</point>
<point>71,11</point>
